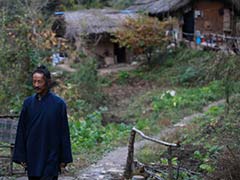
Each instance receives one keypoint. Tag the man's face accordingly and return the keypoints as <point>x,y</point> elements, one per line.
<point>39,83</point>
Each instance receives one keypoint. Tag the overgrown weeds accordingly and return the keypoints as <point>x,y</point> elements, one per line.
<point>227,166</point>
<point>209,135</point>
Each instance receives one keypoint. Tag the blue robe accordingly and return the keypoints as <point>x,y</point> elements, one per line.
<point>42,139</point>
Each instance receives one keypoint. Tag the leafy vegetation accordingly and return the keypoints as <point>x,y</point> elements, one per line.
<point>90,135</point>
<point>168,107</point>
<point>207,146</point>
<point>86,83</point>
<point>25,41</point>
<point>179,84</point>
<point>149,111</point>
<point>142,35</point>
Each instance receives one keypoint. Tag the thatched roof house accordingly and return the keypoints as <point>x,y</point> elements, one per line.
<point>166,6</point>
<point>95,26</point>
<point>94,21</point>
<point>195,16</point>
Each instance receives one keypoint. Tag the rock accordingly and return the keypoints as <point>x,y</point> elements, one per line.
<point>138,177</point>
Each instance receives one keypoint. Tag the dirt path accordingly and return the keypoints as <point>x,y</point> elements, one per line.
<point>111,166</point>
<point>116,68</point>
<point>102,71</point>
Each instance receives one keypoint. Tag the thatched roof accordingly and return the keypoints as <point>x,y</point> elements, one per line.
<point>158,6</point>
<point>94,21</point>
<point>163,6</point>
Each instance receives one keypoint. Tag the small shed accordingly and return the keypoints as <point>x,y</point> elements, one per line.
<point>195,16</point>
<point>91,31</point>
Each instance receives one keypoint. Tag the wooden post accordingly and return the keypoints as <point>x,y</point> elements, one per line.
<point>128,168</point>
<point>170,168</point>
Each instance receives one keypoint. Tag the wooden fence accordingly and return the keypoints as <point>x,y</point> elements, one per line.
<point>8,128</point>
<point>128,168</point>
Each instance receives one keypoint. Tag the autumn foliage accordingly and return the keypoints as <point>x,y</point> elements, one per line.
<point>24,44</point>
<point>142,35</point>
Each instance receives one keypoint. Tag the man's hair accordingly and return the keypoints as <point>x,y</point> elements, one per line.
<point>43,70</point>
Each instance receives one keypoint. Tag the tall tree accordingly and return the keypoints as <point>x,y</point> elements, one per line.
<point>24,42</point>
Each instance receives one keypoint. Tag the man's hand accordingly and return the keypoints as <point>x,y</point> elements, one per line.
<point>23,164</point>
<point>63,165</point>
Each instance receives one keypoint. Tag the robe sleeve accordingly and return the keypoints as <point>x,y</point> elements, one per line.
<point>19,154</point>
<point>66,153</point>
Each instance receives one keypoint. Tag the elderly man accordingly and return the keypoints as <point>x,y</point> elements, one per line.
<point>42,143</point>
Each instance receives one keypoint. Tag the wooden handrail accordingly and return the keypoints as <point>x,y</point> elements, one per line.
<point>153,139</point>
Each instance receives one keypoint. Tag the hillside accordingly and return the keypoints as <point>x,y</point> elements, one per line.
<point>154,99</point>
<point>158,97</point>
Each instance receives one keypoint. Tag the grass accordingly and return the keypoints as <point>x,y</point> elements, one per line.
<point>172,69</point>
<point>208,145</point>
<point>159,105</point>
<point>171,98</point>
<point>204,140</point>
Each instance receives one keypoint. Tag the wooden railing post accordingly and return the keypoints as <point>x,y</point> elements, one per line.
<point>170,168</point>
<point>128,168</point>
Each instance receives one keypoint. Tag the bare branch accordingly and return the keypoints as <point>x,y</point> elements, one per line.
<point>155,140</point>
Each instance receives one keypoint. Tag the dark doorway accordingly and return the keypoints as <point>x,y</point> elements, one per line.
<point>120,53</point>
<point>59,27</point>
<point>188,26</point>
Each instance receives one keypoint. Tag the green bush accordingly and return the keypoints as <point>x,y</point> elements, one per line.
<point>189,75</point>
<point>87,84</point>
<point>89,134</point>
<point>123,77</point>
